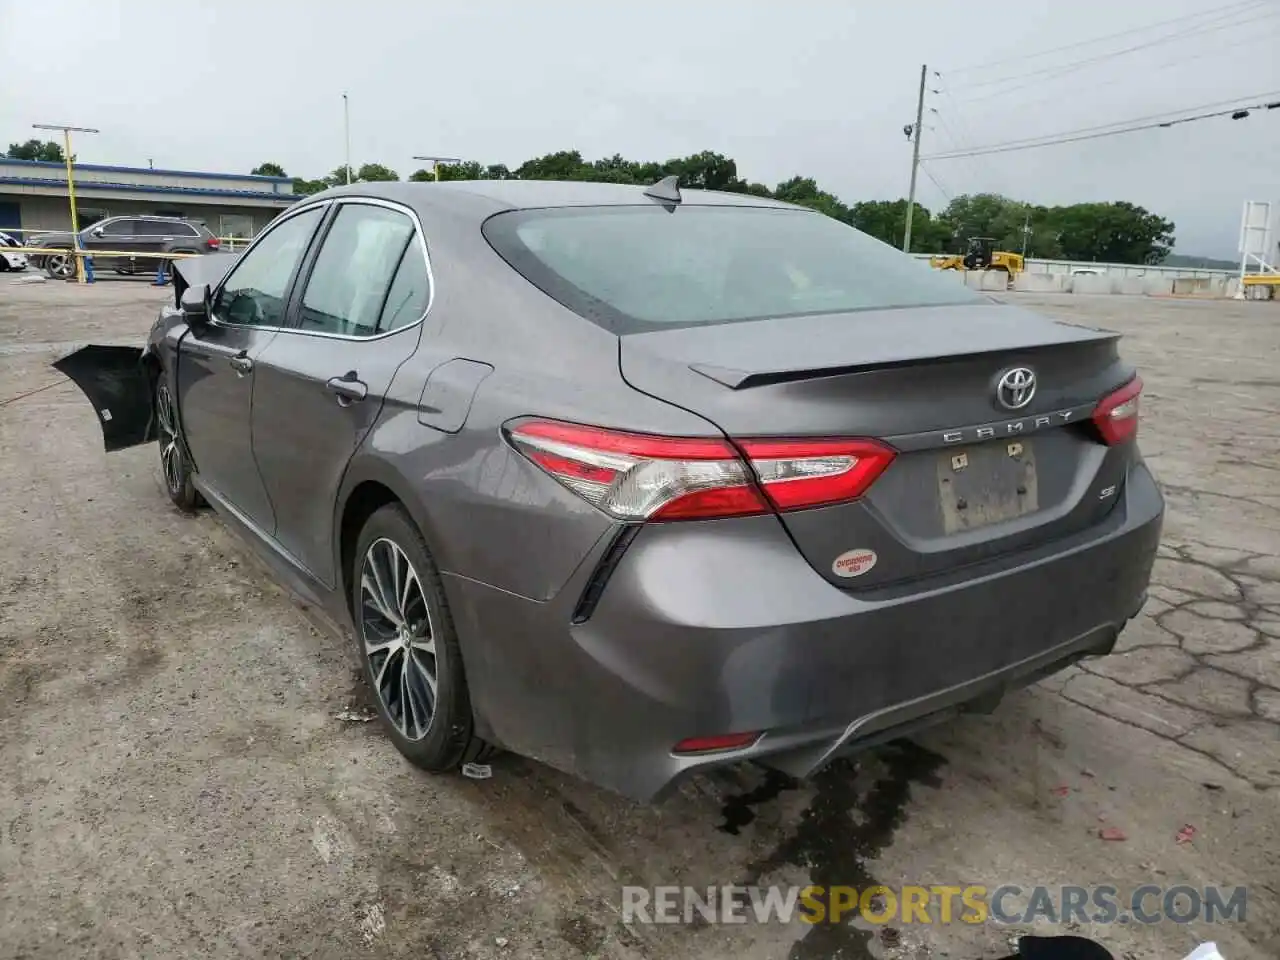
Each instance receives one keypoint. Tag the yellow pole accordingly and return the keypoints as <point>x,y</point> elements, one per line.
<point>71,193</point>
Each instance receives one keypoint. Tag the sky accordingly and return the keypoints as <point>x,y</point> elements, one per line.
<point>819,88</point>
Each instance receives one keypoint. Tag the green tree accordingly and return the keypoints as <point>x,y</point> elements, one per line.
<point>375,173</point>
<point>268,170</point>
<point>887,220</point>
<point>338,176</point>
<point>463,170</point>
<point>806,192</point>
<point>304,188</point>
<point>47,150</point>
<point>1117,232</point>
<point>563,165</point>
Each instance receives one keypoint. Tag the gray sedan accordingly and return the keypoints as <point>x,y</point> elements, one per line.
<point>640,482</point>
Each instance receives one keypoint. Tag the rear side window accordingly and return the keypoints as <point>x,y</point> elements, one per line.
<point>639,268</point>
<point>119,228</point>
<point>353,273</point>
<point>410,291</point>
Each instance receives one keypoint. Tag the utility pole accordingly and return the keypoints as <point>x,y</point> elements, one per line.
<point>71,186</point>
<point>346,136</point>
<point>1026,233</point>
<point>435,164</point>
<point>915,159</point>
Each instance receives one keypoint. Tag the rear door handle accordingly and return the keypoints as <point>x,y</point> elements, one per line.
<point>348,388</point>
<point>241,364</point>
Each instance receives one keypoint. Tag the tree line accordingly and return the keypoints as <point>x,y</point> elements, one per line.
<point>1115,232</point>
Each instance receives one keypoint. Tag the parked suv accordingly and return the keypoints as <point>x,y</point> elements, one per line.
<point>128,236</point>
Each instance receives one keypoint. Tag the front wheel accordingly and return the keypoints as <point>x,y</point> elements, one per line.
<point>408,646</point>
<point>173,459</point>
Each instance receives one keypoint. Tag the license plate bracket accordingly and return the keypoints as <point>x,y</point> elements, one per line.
<point>987,483</point>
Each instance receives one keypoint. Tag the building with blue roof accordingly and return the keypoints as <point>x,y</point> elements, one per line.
<point>33,196</point>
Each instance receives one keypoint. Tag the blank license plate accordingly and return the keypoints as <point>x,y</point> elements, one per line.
<point>986,484</point>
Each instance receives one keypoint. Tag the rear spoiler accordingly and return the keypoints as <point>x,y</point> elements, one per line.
<point>205,270</point>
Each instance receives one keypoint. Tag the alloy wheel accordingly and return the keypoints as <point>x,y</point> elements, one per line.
<point>170,453</point>
<point>399,641</point>
<point>60,265</point>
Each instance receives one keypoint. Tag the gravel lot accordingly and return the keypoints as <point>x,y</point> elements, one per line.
<point>176,781</point>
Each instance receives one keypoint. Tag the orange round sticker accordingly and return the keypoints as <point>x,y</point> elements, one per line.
<point>853,563</point>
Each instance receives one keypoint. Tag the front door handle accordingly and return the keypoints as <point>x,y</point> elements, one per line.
<point>241,364</point>
<point>348,388</point>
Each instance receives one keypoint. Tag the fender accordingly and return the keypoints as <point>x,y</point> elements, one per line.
<point>363,468</point>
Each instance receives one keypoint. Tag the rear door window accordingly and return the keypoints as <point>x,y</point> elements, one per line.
<point>638,268</point>
<point>350,283</point>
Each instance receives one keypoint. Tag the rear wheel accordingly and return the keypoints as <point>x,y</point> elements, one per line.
<point>408,646</point>
<point>173,460</point>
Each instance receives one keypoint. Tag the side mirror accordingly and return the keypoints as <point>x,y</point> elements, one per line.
<point>97,231</point>
<point>195,305</point>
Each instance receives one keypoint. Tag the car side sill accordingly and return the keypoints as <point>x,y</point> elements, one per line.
<point>298,578</point>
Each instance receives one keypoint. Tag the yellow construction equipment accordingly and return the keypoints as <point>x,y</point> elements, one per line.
<point>981,254</point>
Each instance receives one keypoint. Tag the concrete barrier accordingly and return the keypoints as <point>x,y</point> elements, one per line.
<point>1092,283</point>
<point>1232,288</point>
<point>973,279</point>
<point>1157,286</point>
<point>1132,286</point>
<point>1189,286</point>
<point>1039,282</point>
<point>994,281</point>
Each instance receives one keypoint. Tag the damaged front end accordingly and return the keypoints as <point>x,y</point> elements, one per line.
<point>120,382</point>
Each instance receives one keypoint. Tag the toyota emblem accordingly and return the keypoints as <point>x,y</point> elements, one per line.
<point>1016,388</point>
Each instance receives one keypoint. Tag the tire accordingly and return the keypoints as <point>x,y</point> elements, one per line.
<point>174,466</point>
<point>60,266</point>
<point>406,642</point>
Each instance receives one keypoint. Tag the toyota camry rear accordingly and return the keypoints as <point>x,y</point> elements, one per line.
<point>902,501</point>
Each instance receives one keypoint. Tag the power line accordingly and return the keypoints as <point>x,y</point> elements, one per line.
<point>1053,139</point>
<point>945,192</point>
<point>1238,7</point>
<point>975,173</point>
<point>1231,47</point>
<point>1059,70</point>
<point>1163,115</point>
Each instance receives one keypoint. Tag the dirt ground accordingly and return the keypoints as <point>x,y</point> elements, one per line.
<point>175,779</point>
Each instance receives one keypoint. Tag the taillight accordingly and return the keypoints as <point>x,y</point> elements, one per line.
<point>1117,413</point>
<point>212,243</point>
<point>640,477</point>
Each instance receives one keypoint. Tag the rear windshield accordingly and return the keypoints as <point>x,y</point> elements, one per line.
<point>643,268</point>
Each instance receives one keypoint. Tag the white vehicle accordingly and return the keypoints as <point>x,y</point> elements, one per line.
<point>11,261</point>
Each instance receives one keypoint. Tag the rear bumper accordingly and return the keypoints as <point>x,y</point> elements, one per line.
<point>719,628</point>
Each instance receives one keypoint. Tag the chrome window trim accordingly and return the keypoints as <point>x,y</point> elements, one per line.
<point>342,201</point>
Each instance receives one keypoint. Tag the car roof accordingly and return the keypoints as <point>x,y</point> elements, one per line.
<point>487,197</point>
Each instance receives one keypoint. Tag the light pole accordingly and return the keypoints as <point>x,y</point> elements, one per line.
<point>435,164</point>
<point>915,159</point>
<point>346,135</point>
<point>71,186</point>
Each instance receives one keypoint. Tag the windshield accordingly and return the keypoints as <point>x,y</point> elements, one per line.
<point>634,269</point>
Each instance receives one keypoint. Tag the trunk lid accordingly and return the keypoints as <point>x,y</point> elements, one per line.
<point>972,478</point>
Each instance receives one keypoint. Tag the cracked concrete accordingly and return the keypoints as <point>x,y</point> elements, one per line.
<point>177,784</point>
